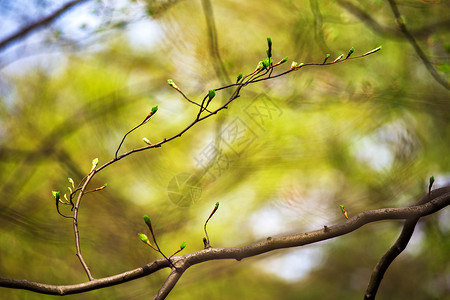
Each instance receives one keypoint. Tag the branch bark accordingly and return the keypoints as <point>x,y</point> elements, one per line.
<point>438,199</point>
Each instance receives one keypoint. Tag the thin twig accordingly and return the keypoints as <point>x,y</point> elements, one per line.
<point>75,225</point>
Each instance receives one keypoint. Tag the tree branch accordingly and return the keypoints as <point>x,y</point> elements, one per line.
<point>397,248</point>
<point>413,42</point>
<point>439,199</point>
<point>23,32</point>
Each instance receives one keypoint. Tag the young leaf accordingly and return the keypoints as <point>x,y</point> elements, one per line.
<point>239,77</point>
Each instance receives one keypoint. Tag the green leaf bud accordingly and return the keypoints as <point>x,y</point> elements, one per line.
<point>147,220</point>
<point>211,94</point>
<point>350,52</point>
<point>183,245</point>
<point>143,238</point>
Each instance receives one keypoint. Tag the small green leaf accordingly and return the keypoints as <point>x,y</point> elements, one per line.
<point>217,205</point>
<point>269,42</point>
<point>57,195</point>
<point>183,245</point>
<point>211,94</point>
<point>154,109</point>
<point>170,82</point>
<point>239,77</point>
<point>284,60</point>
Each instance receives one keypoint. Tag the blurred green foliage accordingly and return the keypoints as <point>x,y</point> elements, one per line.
<point>367,134</point>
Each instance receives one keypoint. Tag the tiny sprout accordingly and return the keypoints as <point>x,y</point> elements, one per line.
<point>217,205</point>
<point>259,66</point>
<point>431,183</point>
<point>284,60</point>
<point>71,182</point>
<point>239,77</point>
<point>350,52</point>
<point>294,65</point>
<point>326,58</point>
<point>146,141</point>
<point>211,94</point>
<point>154,109</point>
<point>94,163</point>
<point>344,211</point>
<point>372,51</point>
<point>338,58</point>
<point>182,246</point>
<point>171,83</point>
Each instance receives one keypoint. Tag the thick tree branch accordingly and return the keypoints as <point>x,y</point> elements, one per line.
<point>439,199</point>
<point>23,32</point>
<point>398,247</point>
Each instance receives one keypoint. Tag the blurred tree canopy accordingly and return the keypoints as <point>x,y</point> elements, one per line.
<point>281,159</point>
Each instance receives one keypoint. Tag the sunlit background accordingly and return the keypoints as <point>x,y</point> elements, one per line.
<point>366,134</point>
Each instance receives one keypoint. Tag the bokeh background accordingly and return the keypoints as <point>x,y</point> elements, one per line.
<point>367,134</point>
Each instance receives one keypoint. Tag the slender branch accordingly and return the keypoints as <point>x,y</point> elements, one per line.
<point>440,198</point>
<point>21,33</point>
<point>413,42</point>
<point>75,225</point>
